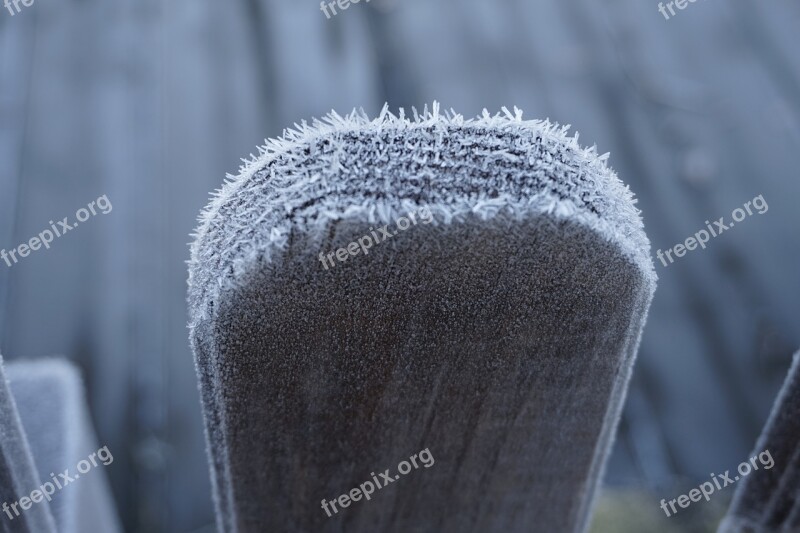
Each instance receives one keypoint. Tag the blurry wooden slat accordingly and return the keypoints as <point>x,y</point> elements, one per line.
<point>16,56</point>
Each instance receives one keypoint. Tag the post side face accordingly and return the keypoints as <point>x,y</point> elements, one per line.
<point>498,346</point>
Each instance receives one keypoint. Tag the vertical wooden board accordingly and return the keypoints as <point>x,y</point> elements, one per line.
<point>319,64</point>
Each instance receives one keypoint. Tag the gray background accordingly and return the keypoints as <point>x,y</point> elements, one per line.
<point>152,101</point>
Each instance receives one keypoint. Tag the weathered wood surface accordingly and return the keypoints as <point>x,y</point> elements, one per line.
<point>151,102</point>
